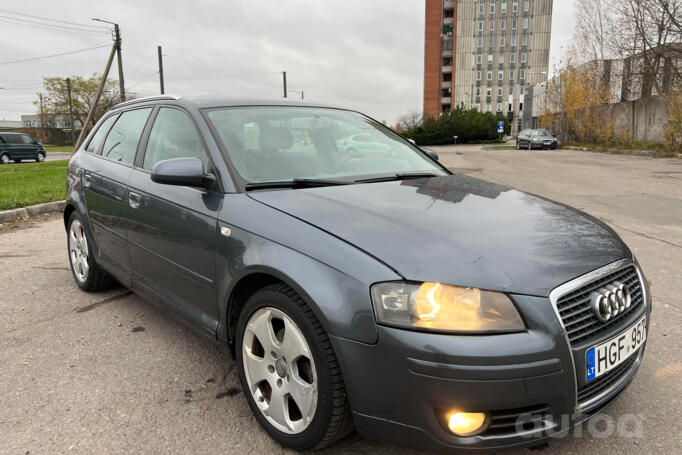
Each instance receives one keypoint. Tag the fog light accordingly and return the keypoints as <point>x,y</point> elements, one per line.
<point>467,423</point>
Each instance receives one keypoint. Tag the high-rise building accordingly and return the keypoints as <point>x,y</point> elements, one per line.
<point>484,53</point>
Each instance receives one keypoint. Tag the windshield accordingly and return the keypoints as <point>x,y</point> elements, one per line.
<point>272,143</point>
<point>539,133</point>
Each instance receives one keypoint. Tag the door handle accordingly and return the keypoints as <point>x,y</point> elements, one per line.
<point>87,180</point>
<point>134,200</point>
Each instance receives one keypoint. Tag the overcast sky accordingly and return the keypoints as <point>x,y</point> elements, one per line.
<point>367,55</point>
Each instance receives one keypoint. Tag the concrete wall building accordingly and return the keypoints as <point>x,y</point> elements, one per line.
<point>484,53</point>
<point>9,125</point>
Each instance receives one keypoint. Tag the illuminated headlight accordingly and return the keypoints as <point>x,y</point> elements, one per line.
<point>443,308</point>
<point>535,139</point>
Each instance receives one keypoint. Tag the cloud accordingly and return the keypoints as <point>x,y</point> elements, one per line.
<point>366,55</point>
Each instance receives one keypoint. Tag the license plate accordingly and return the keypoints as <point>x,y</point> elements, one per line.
<point>606,356</point>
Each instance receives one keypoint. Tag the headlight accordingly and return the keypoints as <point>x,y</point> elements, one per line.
<point>535,139</point>
<point>443,308</point>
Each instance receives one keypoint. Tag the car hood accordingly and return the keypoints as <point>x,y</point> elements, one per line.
<point>459,230</point>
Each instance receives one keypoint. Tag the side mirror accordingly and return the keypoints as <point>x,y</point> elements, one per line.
<point>433,155</point>
<point>182,172</point>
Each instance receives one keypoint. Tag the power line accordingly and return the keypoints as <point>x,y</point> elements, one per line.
<point>55,27</point>
<point>54,55</point>
<point>97,27</point>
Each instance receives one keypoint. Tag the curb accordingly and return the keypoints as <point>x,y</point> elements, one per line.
<point>31,210</point>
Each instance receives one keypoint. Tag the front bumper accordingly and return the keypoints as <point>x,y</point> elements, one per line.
<point>401,387</point>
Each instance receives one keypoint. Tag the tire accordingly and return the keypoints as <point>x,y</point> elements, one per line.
<point>88,275</point>
<point>530,145</point>
<point>40,157</point>
<point>518,145</point>
<point>4,159</point>
<point>326,417</point>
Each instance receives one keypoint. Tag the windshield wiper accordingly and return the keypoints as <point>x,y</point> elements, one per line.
<point>398,176</point>
<point>295,183</point>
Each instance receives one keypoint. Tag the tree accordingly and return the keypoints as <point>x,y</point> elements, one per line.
<point>83,92</point>
<point>411,120</point>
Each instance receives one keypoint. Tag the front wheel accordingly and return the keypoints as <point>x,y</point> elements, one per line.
<point>40,157</point>
<point>289,373</point>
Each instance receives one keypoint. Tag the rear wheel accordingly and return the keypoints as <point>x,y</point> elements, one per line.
<point>88,274</point>
<point>288,370</point>
<point>4,158</point>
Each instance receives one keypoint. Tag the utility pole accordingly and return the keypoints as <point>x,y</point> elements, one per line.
<point>93,108</point>
<point>42,118</point>
<point>117,46</point>
<point>73,125</point>
<point>284,82</point>
<point>158,48</point>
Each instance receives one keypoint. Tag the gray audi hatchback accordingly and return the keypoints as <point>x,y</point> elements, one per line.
<point>365,288</point>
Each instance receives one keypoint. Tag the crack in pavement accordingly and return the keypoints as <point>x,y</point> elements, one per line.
<point>83,309</point>
<point>647,236</point>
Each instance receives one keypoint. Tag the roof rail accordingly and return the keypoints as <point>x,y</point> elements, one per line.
<point>148,98</point>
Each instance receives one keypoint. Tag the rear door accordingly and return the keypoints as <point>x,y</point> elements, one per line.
<point>173,228</point>
<point>105,182</point>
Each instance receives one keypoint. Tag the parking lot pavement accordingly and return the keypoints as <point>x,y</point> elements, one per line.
<point>108,372</point>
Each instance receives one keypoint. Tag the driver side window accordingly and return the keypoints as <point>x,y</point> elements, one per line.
<point>173,136</point>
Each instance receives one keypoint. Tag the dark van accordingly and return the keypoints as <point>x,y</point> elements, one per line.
<point>19,146</point>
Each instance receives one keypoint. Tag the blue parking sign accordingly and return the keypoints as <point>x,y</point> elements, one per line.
<point>500,126</point>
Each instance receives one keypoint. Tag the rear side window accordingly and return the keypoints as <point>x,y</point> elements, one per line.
<point>97,140</point>
<point>173,136</point>
<point>26,139</point>
<point>122,140</point>
<point>12,139</point>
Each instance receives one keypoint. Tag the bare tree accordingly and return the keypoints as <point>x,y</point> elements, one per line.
<point>594,23</point>
<point>411,120</point>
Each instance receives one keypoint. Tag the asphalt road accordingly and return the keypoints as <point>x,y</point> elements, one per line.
<point>108,373</point>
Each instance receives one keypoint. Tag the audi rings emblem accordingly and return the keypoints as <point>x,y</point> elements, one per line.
<point>610,301</point>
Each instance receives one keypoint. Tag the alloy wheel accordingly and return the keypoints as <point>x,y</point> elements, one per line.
<point>40,158</point>
<point>78,251</point>
<point>279,370</point>
<point>4,159</point>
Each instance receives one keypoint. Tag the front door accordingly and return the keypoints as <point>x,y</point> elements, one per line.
<point>173,228</point>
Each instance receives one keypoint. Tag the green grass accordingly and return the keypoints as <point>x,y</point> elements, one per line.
<point>59,148</point>
<point>32,183</point>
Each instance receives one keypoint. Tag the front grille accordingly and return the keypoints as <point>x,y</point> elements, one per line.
<point>510,421</point>
<point>577,315</point>
<point>601,384</point>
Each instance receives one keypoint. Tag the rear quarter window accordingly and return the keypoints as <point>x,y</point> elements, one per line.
<point>95,143</point>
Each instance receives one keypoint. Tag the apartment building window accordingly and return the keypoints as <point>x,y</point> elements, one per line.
<point>478,75</point>
<point>503,24</point>
<point>480,26</point>
<point>447,45</point>
<point>526,6</point>
<point>492,25</point>
<point>512,74</point>
<point>449,13</point>
<point>521,91</point>
<point>511,93</point>
<point>488,108</point>
<point>478,107</point>
<point>479,59</point>
<point>524,40</point>
<point>480,43</point>
<point>525,23</point>
<point>490,58</point>
<point>523,57</point>
<point>502,41</point>
<point>490,75</point>
<point>512,58</point>
<point>488,92</point>
<point>492,8</point>
<point>481,8</point>
<point>499,91</point>
<point>447,61</point>
<point>447,77</point>
<point>513,41</point>
<point>500,75</point>
<point>513,24</point>
<point>478,91</point>
<point>501,60</point>
<point>499,107</point>
<point>504,7</point>
<point>515,7</point>
<point>522,74</point>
